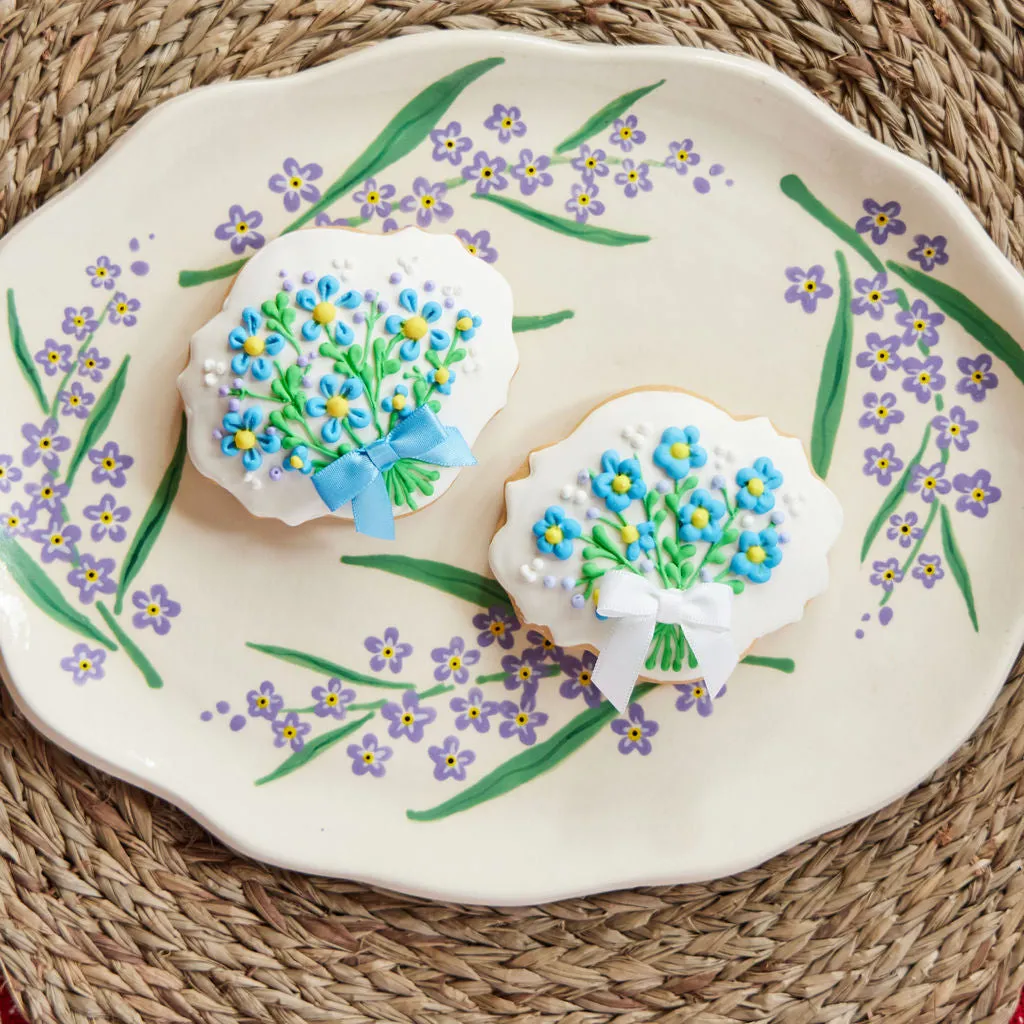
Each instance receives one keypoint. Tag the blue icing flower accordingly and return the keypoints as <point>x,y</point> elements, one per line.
<point>416,327</point>
<point>442,378</point>
<point>336,404</point>
<point>299,460</point>
<point>679,452</point>
<point>556,532</point>
<point>638,538</point>
<point>398,402</point>
<point>758,554</point>
<point>253,350</point>
<point>700,518</point>
<point>240,435</point>
<point>620,482</point>
<point>756,486</point>
<point>323,305</point>
<point>466,324</point>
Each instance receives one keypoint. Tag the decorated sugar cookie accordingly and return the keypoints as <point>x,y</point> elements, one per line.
<point>667,536</point>
<point>349,374</point>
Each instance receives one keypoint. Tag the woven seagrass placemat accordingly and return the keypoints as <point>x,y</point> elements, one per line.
<point>114,906</point>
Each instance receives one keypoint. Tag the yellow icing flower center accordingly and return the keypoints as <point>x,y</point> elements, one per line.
<point>441,375</point>
<point>621,483</point>
<point>874,296</point>
<point>756,486</point>
<point>414,328</point>
<point>756,554</point>
<point>337,407</point>
<point>680,450</point>
<point>464,323</point>
<point>700,518</point>
<point>295,462</point>
<point>398,403</point>
<point>630,534</point>
<point>244,440</point>
<point>553,535</point>
<point>324,312</point>
<point>255,346</point>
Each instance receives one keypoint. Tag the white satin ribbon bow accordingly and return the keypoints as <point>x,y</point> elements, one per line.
<point>704,612</point>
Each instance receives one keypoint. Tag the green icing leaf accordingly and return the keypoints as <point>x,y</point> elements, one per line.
<point>99,419</point>
<point>21,353</point>
<point>607,115</point>
<point>716,556</point>
<point>729,537</point>
<point>737,586</point>
<point>325,667</point>
<point>955,561</point>
<point>314,748</point>
<point>687,551</point>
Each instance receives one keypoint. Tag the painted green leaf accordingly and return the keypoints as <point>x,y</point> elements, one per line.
<point>955,561</point>
<point>461,583</point>
<point>22,354</point>
<point>533,761</point>
<point>154,519</point>
<point>99,418</point>
<point>563,225</point>
<point>835,369</point>
<point>608,114</point>
<point>522,324</point>
<point>325,667</point>
<point>190,278</point>
<point>970,317</point>
<point>141,662</point>
<point>795,189</point>
<point>43,593</point>
<point>786,665</point>
<point>892,499</point>
<point>314,749</point>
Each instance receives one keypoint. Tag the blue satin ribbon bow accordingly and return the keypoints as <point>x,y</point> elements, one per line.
<point>358,476</point>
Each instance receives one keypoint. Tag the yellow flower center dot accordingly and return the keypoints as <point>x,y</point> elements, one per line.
<point>698,692</point>
<point>295,462</point>
<point>73,400</point>
<point>591,163</point>
<point>621,483</point>
<point>881,355</point>
<point>632,176</point>
<point>630,534</point>
<point>331,700</point>
<point>583,199</point>
<point>427,202</point>
<point>153,610</point>
<point>525,672</point>
<point>324,312</point>
<point>531,171</point>
<point>977,376</point>
<point>756,486</point>
<point>700,518</point>
<point>388,652</point>
<point>978,494</point>
<point>625,133</point>
<point>414,328</point>
<point>954,429</point>
<point>255,346</point>
<point>337,407</point>
<point>756,554</point>
<point>682,156</point>
<point>882,463</point>
<point>522,718</point>
<point>450,760</point>
<point>244,440</point>
<point>929,252</point>
<point>929,570</point>
<point>13,521</point>
<point>57,540</point>
<point>487,172</point>
<point>455,663</point>
<point>924,377</point>
<point>373,198</point>
<point>881,220</point>
<point>473,712</point>
<point>464,323</point>
<point>54,357</point>
<point>47,493</point>
<point>101,272</point>
<point>680,450</point>
<point>407,718</point>
<point>905,528</point>
<point>584,678</point>
<point>398,403</point>
<point>122,307</point>
<point>634,734</point>
<point>367,757</point>
<point>78,321</point>
<point>471,249</point>
<point>506,122</point>
<point>881,412</point>
<point>109,464</point>
<point>85,664</point>
<point>919,325</point>
<point>930,482</point>
<point>241,227</point>
<point>45,442</point>
<point>497,628</point>
<point>442,375</point>
<point>874,297</point>
<point>553,535</point>
<point>261,702</point>
<point>449,143</point>
<point>809,286</point>
<point>92,575</point>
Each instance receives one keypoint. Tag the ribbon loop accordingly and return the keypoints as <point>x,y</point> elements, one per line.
<point>358,476</point>
<point>704,613</point>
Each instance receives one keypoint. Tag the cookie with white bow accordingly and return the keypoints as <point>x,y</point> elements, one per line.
<point>632,538</point>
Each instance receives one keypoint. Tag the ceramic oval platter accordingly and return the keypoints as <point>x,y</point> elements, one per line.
<point>293,688</point>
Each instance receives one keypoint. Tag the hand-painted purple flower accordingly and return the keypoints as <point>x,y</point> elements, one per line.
<point>47,494</point>
<point>454,660</point>
<point>84,663</point>
<point>15,522</point>
<point>79,322</point>
<point>290,730</point>
<point>9,473</point>
<point>881,412</point>
<point>976,491</point>
<point>531,173</point>
<point>110,464</point>
<point>240,229</point>
<point>156,609</point>
<point>265,702</point>
<point>872,296</point>
<point>58,540</point>
<point>91,364</point>
<point>636,731</point>
<point>625,133</point>
<point>634,178</point>
<point>954,429</point>
<point>369,756</point>
<point>882,463</point>
<point>591,163</point>
<point>474,710</point>
<point>333,699</point>
<point>107,517</point>
<point>681,156</point>
<point>44,445</point>
<point>523,670</point>
<point>478,244</point>
<point>579,679</point>
<point>388,652</point>
<point>76,401</point>
<point>521,719</point>
<point>295,184</point>
<point>375,199</point>
<point>497,624</point>
<point>427,200</point>
<point>548,648</point>
<point>903,529</point>
<point>929,252</point>
<point>887,573</point>
<point>54,358</point>
<point>928,570</point>
<point>919,325</point>
<point>882,355</point>
<point>507,122</point>
<point>929,480</point>
<point>695,694</point>
<point>103,273</point>
<point>449,761</point>
<point>978,376</point>
<point>122,310</point>
<point>922,376</point>
<point>92,576</point>
<point>408,718</point>
<point>881,219</point>
<point>389,225</point>
<point>583,202</point>
<point>450,143</point>
<point>486,172</point>
<point>807,286</point>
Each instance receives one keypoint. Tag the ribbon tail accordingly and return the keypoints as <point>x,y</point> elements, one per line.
<point>622,659</point>
<point>372,512</point>
<point>452,451</point>
<point>716,656</point>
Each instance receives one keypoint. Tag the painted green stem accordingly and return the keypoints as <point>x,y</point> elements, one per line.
<point>74,364</point>
<point>914,551</point>
<point>141,662</point>
<point>22,355</point>
<point>325,667</point>
<point>787,665</point>
<point>314,749</point>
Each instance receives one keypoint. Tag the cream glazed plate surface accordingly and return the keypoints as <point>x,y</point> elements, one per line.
<point>341,704</point>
